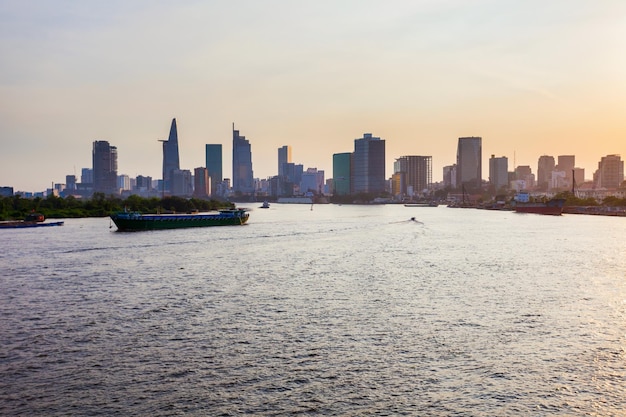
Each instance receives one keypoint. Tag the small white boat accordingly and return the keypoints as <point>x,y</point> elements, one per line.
<point>265,204</point>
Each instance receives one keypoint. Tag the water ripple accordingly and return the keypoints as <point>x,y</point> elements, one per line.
<point>337,311</point>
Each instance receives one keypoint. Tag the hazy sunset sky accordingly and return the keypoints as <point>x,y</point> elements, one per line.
<point>530,77</point>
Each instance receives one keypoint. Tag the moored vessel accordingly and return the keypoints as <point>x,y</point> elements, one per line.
<point>132,221</point>
<point>32,220</point>
<point>423,204</point>
<point>552,207</point>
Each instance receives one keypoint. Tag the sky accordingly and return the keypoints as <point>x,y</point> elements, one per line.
<point>530,77</point>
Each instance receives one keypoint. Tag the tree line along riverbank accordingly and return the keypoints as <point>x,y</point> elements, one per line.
<point>99,205</point>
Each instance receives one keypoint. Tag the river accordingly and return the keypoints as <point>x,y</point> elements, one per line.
<point>318,310</point>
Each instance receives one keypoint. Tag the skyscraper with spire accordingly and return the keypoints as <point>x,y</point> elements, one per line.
<point>243,178</point>
<point>170,155</point>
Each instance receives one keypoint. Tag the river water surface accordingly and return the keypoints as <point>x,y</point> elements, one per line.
<point>324,310</point>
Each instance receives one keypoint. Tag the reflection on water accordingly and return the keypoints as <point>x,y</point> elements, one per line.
<point>339,310</point>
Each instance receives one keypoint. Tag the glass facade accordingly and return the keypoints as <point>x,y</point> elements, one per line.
<point>104,159</point>
<point>469,163</point>
<point>341,173</point>
<point>368,165</point>
<point>170,153</point>
<point>243,177</point>
<point>284,157</point>
<point>213,159</point>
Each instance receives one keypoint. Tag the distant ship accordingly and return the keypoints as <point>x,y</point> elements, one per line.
<point>423,204</point>
<point>133,221</point>
<point>552,207</point>
<point>295,200</point>
<point>32,220</point>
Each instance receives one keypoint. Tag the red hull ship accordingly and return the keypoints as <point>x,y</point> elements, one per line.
<point>552,207</point>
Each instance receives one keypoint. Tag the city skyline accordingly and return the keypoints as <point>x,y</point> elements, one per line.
<point>530,78</point>
<point>250,156</point>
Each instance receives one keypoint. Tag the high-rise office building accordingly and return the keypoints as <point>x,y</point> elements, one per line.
<point>181,184</point>
<point>123,182</point>
<point>170,155</point>
<point>566,163</point>
<point>525,173</point>
<point>70,183</point>
<point>610,173</point>
<point>289,182</point>
<point>398,184</point>
<point>418,173</point>
<point>213,155</point>
<point>243,177</point>
<point>579,176</point>
<point>469,163</point>
<point>284,157</point>
<point>499,172</point>
<point>545,166</point>
<point>449,176</point>
<point>341,173</point>
<point>368,165</point>
<point>104,157</point>
<point>312,181</point>
<point>201,183</point>
<point>86,176</point>
<point>143,184</point>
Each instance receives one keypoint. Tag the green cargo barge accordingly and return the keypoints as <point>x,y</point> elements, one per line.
<point>132,221</point>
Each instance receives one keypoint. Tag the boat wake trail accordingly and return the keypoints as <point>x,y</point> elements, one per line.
<point>411,220</point>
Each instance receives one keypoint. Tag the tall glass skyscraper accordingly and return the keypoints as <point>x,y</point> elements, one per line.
<point>213,155</point>
<point>469,163</point>
<point>104,158</point>
<point>284,157</point>
<point>170,155</point>
<point>368,165</point>
<point>243,177</point>
<point>341,173</point>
